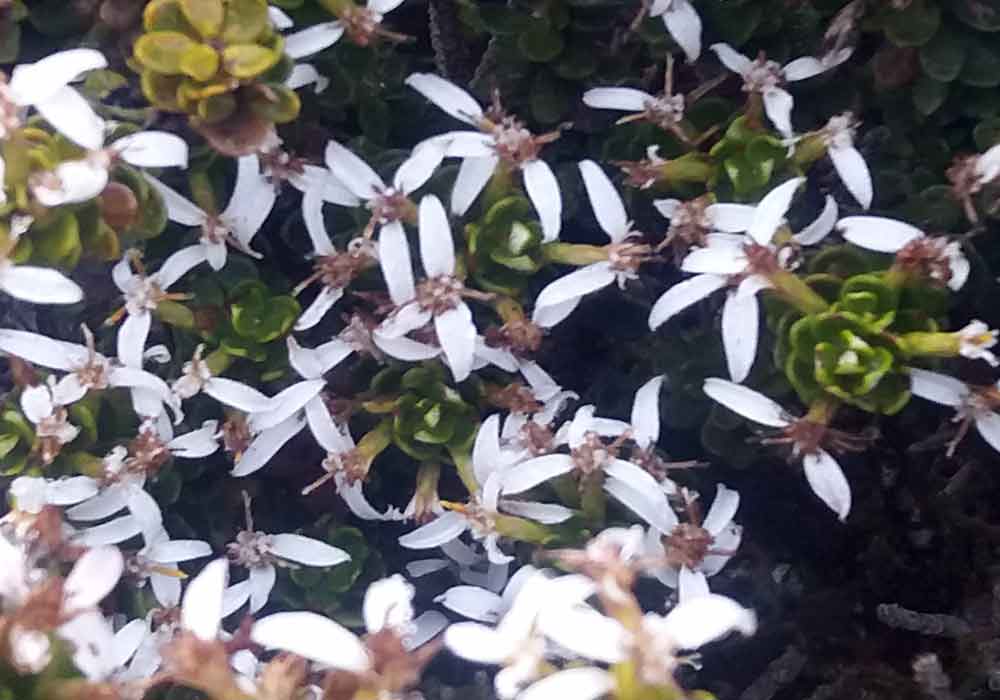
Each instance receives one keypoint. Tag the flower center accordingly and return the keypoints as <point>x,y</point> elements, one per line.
<point>214,230</point>
<point>390,205</point>
<point>666,112</point>
<point>513,142</point>
<point>439,294</point>
<point>627,257</point>
<point>360,24</point>
<point>351,464</point>
<point>251,549</point>
<point>590,456</point>
<point>481,520</point>
<point>762,75</point>
<point>143,294</point>
<point>839,131</point>
<point>687,545</point>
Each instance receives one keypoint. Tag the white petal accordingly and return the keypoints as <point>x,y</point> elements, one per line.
<point>406,318</point>
<point>543,191</point>
<point>132,338</point>
<point>533,472</point>
<point>457,335</point>
<point>605,201</point>
<point>771,210</point>
<point>621,98</point>
<point>803,68</point>
<point>287,403</point>
<point>465,144</point>
<point>988,426</point>
<point>279,19</point>
<point>36,403</point>
<point>730,218</point>
<point>668,207</point>
<point>179,208</point>
<point>746,402</point>
<point>731,59</point>
<point>715,260</point>
<point>306,550</point>
<point>437,249</point>
<point>545,513</point>
<point>94,575</point>
<point>723,510</point>
<point>111,500</point>
<point>173,551</point>
<point>353,172</point>
<point>314,313</point>
<point>586,683</point>
<point>472,177</point>
<point>425,567</point>
<point>253,198</point>
<point>877,233</point>
<point>448,96</point>
<point>33,82</point>
<point>146,510</point>
<point>266,445</point>
<point>312,216</point>
<point>127,641</point>
<point>418,168</point>
<point>394,258</point>
<point>304,74</point>
<point>384,6</point>
<point>651,506</point>
<point>486,454</point>
<point>111,532</point>
<point>314,637</point>
<point>313,39</point>
<point>78,181</point>
<point>425,627</point>
<point>740,326</point>
<point>821,227</point>
<point>38,285</point>
<point>444,528</point>
<point>201,610</point>
<point>388,603</point>
<point>576,284</point>
<point>827,481</point>
<point>478,643</point>
<point>684,25</point>
<point>472,602</point>
<point>778,107</point>
<point>235,596</point>
<point>853,173</point>
<point>354,496</point>
<point>727,541</point>
<point>585,632</point>
<point>69,490</point>
<point>330,436</point>
<point>703,619</point>
<point>403,348</point>
<point>73,117</point>
<point>682,295</point>
<point>153,149</point>
<point>691,584</point>
<point>550,316</point>
<point>645,417</point>
<point>939,388</point>
<point>262,579</point>
<point>42,350</point>
<point>237,394</point>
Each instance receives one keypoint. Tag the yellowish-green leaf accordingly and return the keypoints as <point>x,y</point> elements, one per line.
<point>276,103</point>
<point>246,20</point>
<point>204,15</point>
<point>216,108</point>
<point>162,51</point>
<point>166,16</point>
<point>201,62</point>
<point>161,90</point>
<point>248,60</point>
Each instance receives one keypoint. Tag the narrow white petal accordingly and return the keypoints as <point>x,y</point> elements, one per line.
<point>543,191</point>
<point>684,25</point>
<point>312,216</point>
<point>266,445</point>
<point>472,602</point>
<point>320,306</point>
<point>740,326</point>
<point>94,575</point>
<point>306,550</point>
<point>406,318</point>
<point>691,584</point>
<point>253,198</point>
<point>111,500</point>
<point>179,208</point>
<point>576,284</point>
<point>153,149</point>
<point>486,454</point>
<point>535,471</point>
<point>771,210</point>
<point>730,218</point>
<point>651,506</point>
<point>313,637</point>
<point>827,481</point>
<point>939,388</point>
<point>703,619</point>
<point>621,98</point>
<point>173,551</point>
<point>330,436</point>
<point>33,82</point>
<point>803,68</point>
<point>877,233</point>
<point>146,510</point>
<point>39,285</point>
<point>778,107</point>
<point>279,18</point>
<point>545,513</point>
<point>403,348</point>
<point>237,394</point>
<point>550,316</point>
<point>585,683</point>
<point>645,417</point>
<point>69,490</point>
<point>111,532</point>
<point>853,173</point>
<point>42,350</point>
<point>444,528</point>
<point>356,501</point>
<point>819,229</point>
<point>388,604</point>
<point>715,260</point>
<point>127,641</point>
<point>425,627</point>
<point>394,258</point>
<point>457,335</point>
<point>437,249</point>
<point>667,207</point>
<point>478,643</point>
<point>723,510</point>
<point>472,177</point>
<point>287,403</point>
<point>313,39</point>
<point>988,425</point>
<point>262,579</point>
<point>384,6</point>
<point>353,172</point>
<point>448,96</point>
<point>201,610</point>
<point>179,264</point>
<point>465,144</point>
<point>605,201</point>
<point>73,117</point>
<point>746,402</point>
<point>585,632</point>
<point>418,168</point>
<point>731,58</point>
<point>682,295</point>
<point>235,597</point>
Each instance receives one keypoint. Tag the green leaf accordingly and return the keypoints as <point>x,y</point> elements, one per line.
<point>929,95</point>
<point>541,42</point>
<point>943,56</point>
<point>204,15</point>
<point>915,25</point>
<point>576,62</point>
<point>163,52</point>
<point>987,133</point>
<point>248,60</point>
<point>983,15</point>
<point>982,64</point>
<point>550,98</point>
<point>201,62</point>
<point>502,20</point>
<point>246,21</point>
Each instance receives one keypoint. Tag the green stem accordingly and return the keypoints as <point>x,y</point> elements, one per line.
<point>218,361</point>
<point>463,464</point>
<point>574,253</point>
<point>931,344</point>
<point>796,292</point>
<point>823,410</point>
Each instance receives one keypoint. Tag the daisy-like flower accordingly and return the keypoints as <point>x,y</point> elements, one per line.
<point>516,643</point>
<point>973,405</point>
<point>361,24</point>
<point>969,174</point>
<point>591,458</point>
<point>696,549</point>
<point>86,368</point>
<point>30,494</point>
<point>767,78</point>
<point>251,202</point>
<point>197,377</point>
<point>44,85</point>
<point>527,428</point>
<point>975,340</point>
<point>804,435</point>
<point>51,421</point>
<point>558,299</point>
<point>745,264</point>
<point>682,22</point>
<point>260,553</point>
<point>692,221</point>
<point>83,179</point>
<point>143,293</point>
<point>933,258</point>
<point>838,135</point>
<point>157,563</point>
<point>653,649</point>
<point>483,604</point>
<point>486,515</point>
<point>37,285</point>
<point>503,143</point>
<point>385,663</point>
<point>439,297</point>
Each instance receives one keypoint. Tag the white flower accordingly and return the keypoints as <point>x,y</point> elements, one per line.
<point>483,604</point>
<point>766,78</point>
<point>157,562</point>
<point>51,420</point>
<point>201,609</point>
<point>333,270</point>
<point>86,368</point>
<point>251,202</point>
<point>683,23</point>
<point>260,552</point>
<point>971,406</point>
<point>591,458</point>
<point>501,138</point>
<point>558,299</point>
<point>196,377</point>
<point>936,258</point>
<point>36,285</point>
<point>44,85</point>
<point>692,221</point>
<point>32,493</point>
<point>975,340</point>
<point>143,293</point>
<point>439,297</point>
<point>742,263</point>
<point>81,180</point>
<point>361,24</point>
<point>838,134</point>
<point>824,475</point>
